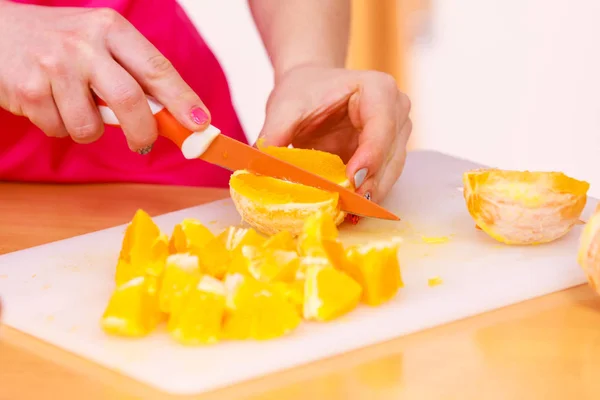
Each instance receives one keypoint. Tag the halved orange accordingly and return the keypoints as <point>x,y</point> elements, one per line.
<point>272,205</point>
<point>524,208</point>
<point>588,255</point>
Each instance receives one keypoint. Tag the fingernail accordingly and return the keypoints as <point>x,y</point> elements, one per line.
<point>359,177</point>
<point>368,195</point>
<point>199,116</point>
<point>145,150</point>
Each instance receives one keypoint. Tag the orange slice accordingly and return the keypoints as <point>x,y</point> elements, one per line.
<point>588,255</point>
<point>189,234</point>
<point>317,228</point>
<point>524,208</point>
<point>293,292</point>
<point>214,258</point>
<point>375,267</point>
<point>143,248</point>
<point>181,271</point>
<point>272,205</point>
<point>199,320</point>
<point>271,265</point>
<point>133,309</point>
<point>256,310</point>
<point>234,238</point>
<point>283,240</point>
<point>329,293</point>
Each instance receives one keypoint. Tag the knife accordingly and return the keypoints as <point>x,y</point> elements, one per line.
<point>211,146</point>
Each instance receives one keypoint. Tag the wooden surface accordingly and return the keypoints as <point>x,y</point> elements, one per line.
<point>544,348</point>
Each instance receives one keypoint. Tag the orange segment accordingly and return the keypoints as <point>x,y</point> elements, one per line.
<point>199,320</point>
<point>375,267</point>
<point>524,208</point>
<point>181,271</point>
<point>234,238</point>
<point>588,255</point>
<point>257,311</point>
<point>269,265</point>
<point>283,240</point>
<point>143,248</point>
<point>293,292</point>
<point>329,293</point>
<point>189,234</point>
<point>214,258</point>
<point>133,309</point>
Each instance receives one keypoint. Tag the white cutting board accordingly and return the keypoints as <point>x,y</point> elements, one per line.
<point>57,292</point>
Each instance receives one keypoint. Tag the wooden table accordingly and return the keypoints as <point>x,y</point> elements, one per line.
<point>544,348</point>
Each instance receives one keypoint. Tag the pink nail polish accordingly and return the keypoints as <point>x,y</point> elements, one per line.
<point>199,116</point>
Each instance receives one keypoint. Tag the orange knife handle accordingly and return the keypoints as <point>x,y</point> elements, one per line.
<point>167,125</point>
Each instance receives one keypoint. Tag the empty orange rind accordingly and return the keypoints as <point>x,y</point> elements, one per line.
<point>588,256</point>
<point>524,208</point>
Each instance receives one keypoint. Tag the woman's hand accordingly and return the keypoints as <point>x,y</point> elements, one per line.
<point>359,115</point>
<point>51,58</point>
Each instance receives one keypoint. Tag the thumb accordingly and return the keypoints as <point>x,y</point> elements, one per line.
<point>279,126</point>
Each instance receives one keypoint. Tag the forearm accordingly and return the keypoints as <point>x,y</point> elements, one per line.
<point>303,32</point>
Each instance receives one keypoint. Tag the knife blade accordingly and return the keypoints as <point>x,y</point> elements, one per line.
<point>213,147</point>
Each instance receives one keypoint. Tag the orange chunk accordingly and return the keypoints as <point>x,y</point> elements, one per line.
<point>181,272</point>
<point>376,268</point>
<point>234,238</point>
<point>257,311</point>
<point>200,317</point>
<point>329,293</point>
<point>283,240</point>
<point>189,235</point>
<point>143,248</point>
<point>133,309</point>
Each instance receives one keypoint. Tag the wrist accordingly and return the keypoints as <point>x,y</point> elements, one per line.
<point>284,69</point>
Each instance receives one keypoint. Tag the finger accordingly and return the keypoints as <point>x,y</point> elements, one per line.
<point>37,104</point>
<point>127,100</point>
<point>157,75</point>
<point>374,111</point>
<point>77,109</point>
<point>395,165</point>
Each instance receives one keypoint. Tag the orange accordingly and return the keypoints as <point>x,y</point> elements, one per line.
<point>272,205</point>
<point>375,267</point>
<point>329,293</point>
<point>133,309</point>
<point>181,271</point>
<point>588,255</point>
<point>283,240</point>
<point>234,238</point>
<point>270,265</point>
<point>524,208</point>
<point>257,311</point>
<point>189,234</point>
<point>199,319</point>
<point>143,248</point>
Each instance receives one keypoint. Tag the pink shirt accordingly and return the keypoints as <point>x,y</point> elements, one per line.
<point>26,154</point>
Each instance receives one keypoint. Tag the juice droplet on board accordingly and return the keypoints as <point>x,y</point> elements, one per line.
<point>435,281</point>
<point>435,239</point>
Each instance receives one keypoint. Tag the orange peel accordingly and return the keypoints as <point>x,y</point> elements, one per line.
<point>588,256</point>
<point>524,208</point>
